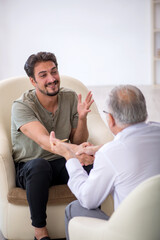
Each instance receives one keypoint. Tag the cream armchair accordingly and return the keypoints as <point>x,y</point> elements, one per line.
<point>15,221</point>
<point>137,218</point>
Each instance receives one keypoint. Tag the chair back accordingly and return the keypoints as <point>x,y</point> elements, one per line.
<point>138,216</point>
<point>12,88</point>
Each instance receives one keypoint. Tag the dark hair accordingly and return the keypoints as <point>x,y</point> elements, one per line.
<point>39,57</point>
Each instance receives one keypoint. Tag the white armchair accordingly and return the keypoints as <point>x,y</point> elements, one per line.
<point>137,218</point>
<point>15,223</point>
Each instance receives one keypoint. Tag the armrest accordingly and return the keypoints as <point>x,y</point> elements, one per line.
<point>7,169</point>
<point>87,228</point>
<point>99,133</point>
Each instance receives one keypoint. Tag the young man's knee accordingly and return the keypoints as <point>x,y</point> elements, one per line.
<point>40,163</point>
<point>37,166</point>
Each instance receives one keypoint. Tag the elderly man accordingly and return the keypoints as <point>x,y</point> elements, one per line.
<point>35,114</point>
<point>120,165</point>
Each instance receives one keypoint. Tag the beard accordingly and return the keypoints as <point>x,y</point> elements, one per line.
<point>51,94</point>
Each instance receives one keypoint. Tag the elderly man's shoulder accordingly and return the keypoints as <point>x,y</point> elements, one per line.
<point>111,146</point>
<point>154,124</point>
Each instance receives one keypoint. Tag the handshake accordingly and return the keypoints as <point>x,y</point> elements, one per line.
<point>84,152</point>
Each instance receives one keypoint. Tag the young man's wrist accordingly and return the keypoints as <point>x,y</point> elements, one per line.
<point>69,155</point>
<point>84,118</point>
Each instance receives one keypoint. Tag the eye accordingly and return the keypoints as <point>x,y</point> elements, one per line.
<point>54,72</point>
<point>43,75</point>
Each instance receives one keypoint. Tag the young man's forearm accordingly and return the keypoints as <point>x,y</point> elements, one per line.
<point>81,134</point>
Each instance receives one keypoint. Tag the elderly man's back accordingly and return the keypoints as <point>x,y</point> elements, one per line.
<point>133,156</point>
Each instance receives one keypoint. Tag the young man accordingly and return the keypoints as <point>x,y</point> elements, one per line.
<point>35,114</point>
<point>120,165</point>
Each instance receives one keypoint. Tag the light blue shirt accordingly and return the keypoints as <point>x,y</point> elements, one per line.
<point>119,166</point>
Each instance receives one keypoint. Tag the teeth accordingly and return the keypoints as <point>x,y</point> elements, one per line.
<point>54,83</point>
<point>50,85</point>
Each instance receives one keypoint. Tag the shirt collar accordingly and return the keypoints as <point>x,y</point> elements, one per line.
<point>130,128</point>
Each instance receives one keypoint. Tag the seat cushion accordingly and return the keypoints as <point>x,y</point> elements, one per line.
<point>59,194</point>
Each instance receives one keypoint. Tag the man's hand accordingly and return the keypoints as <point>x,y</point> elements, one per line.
<point>83,108</point>
<point>65,150</point>
<point>83,156</point>
<point>60,148</point>
<point>85,159</point>
<point>87,148</point>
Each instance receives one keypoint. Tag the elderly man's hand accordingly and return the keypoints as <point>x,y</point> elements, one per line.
<point>87,148</point>
<point>65,150</point>
<point>85,159</point>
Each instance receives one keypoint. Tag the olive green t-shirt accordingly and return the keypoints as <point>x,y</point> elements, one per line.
<point>27,109</point>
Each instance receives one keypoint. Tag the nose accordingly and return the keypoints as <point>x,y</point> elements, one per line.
<point>51,78</point>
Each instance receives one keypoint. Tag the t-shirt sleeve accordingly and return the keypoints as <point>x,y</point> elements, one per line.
<point>74,117</point>
<point>22,114</point>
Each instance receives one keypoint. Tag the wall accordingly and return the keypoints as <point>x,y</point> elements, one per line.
<point>100,42</point>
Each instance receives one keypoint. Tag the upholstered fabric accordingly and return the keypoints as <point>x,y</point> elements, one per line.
<point>137,218</point>
<point>15,222</point>
<point>60,194</point>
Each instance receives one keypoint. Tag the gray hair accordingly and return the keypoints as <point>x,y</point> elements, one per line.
<point>127,105</point>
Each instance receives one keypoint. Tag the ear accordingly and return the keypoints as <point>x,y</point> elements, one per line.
<point>32,81</point>
<point>111,121</point>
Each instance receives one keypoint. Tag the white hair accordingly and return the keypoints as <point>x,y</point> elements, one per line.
<point>127,105</point>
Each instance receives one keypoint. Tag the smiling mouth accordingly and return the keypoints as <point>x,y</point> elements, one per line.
<point>52,84</point>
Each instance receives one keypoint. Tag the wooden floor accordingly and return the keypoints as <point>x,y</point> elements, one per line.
<point>151,93</point>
